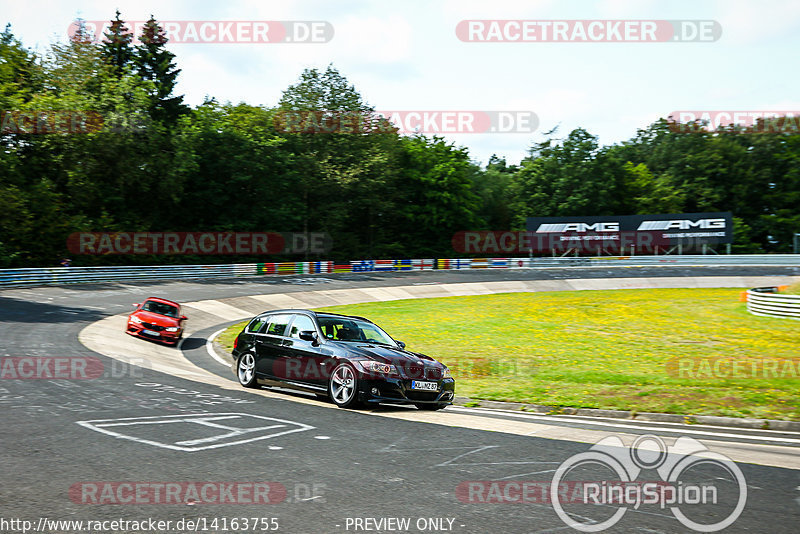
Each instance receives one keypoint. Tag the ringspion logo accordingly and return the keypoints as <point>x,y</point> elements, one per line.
<point>704,490</point>
<point>218,31</point>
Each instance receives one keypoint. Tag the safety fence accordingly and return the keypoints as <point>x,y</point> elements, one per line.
<point>70,275</point>
<point>766,301</point>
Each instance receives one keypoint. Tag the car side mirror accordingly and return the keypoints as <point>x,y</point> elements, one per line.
<point>402,345</point>
<point>135,304</point>
<point>308,335</point>
<point>184,318</point>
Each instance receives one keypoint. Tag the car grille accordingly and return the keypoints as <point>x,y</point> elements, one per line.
<point>420,373</point>
<point>433,373</point>
<point>154,327</point>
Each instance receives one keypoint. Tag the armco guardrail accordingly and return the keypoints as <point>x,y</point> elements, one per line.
<point>772,304</point>
<point>71,275</point>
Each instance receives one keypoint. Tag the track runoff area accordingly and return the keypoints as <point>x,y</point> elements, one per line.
<point>138,437</point>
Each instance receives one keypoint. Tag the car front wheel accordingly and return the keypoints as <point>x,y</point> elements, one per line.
<point>343,386</point>
<point>246,370</point>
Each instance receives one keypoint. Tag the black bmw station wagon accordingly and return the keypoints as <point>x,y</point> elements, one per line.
<point>348,359</point>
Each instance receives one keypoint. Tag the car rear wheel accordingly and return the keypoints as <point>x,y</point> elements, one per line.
<point>246,370</point>
<point>343,386</point>
<point>430,407</point>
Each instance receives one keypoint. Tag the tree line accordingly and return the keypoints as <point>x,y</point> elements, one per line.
<point>94,139</point>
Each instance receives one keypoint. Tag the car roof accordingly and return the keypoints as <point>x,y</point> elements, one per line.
<point>163,301</point>
<point>313,313</point>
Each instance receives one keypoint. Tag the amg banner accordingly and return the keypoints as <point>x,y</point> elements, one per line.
<point>642,231</point>
<point>600,235</point>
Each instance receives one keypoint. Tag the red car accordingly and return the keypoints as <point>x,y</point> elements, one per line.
<point>158,319</point>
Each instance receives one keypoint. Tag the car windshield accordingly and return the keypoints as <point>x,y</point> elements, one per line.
<point>160,308</point>
<point>347,329</point>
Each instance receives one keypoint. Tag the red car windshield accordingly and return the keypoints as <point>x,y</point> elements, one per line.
<point>160,308</point>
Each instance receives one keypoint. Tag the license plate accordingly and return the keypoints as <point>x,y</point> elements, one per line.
<point>424,386</point>
<point>150,333</point>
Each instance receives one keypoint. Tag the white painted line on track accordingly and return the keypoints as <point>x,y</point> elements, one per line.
<point>619,422</point>
<point>210,347</point>
<point>231,435</point>
<point>633,427</point>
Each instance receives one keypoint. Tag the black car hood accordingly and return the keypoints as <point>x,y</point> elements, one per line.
<point>408,364</point>
<point>386,354</point>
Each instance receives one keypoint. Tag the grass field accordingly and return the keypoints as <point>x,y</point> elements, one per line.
<point>694,351</point>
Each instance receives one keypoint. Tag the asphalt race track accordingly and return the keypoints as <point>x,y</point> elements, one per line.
<point>80,450</point>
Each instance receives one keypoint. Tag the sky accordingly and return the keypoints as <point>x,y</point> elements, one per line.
<point>406,56</point>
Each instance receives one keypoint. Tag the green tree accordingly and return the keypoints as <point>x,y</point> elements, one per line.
<point>572,177</point>
<point>344,178</point>
<point>437,198</point>
<point>117,48</point>
<point>20,72</point>
<point>156,64</point>
<point>492,185</point>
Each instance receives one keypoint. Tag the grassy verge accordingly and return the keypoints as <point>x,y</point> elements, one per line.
<point>639,350</point>
<point>793,289</point>
<point>227,337</point>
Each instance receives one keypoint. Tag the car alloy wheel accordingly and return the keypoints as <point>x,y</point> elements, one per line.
<point>246,370</point>
<point>343,386</point>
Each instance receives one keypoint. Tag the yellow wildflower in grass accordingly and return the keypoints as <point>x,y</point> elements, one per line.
<point>605,348</point>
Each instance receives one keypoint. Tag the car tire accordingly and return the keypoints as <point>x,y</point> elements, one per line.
<point>343,386</point>
<point>430,407</point>
<point>246,370</point>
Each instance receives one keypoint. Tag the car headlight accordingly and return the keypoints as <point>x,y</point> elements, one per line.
<point>172,329</point>
<point>446,373</point>
<point>377,367</point>
<point>135,319</point>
